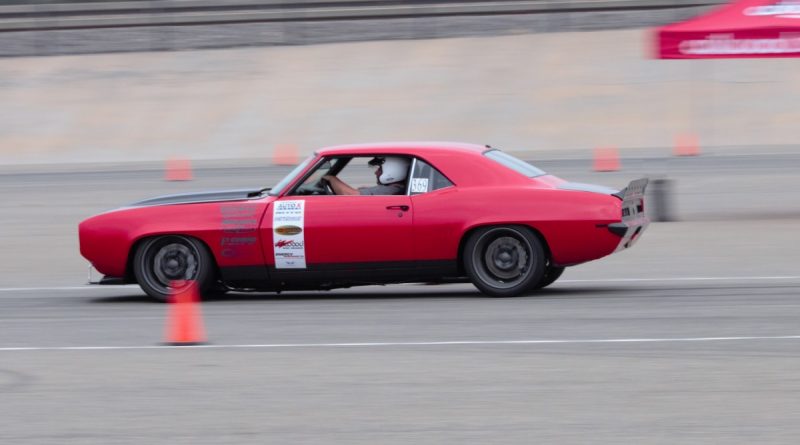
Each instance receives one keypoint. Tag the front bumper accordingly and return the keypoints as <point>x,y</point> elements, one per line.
<point>105,280</point>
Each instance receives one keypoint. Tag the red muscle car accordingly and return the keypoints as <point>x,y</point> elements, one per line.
<point>462,213</point>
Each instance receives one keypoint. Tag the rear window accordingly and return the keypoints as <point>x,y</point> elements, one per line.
<point>518,165</point>
<point>425,178</point>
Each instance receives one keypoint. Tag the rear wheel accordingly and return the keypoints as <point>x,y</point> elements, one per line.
<point>170,263</point>
<point>551,274</point>
<point>504,261</point>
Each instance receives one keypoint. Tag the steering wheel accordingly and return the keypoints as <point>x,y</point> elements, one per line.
<point>320,187</point>
<point>325,185</point>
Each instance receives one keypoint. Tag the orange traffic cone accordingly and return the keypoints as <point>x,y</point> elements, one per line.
<point>606,160</point>
<point>686,145</point>
<point>286,154</point>
<point>184,321</point>
<point>178,170</point>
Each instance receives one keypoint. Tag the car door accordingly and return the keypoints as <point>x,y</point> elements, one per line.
<point>359,229</point>
<point>438,220</point>
<point>355,235</point>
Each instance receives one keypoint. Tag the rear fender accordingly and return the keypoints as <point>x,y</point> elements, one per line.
<point>465,237</point>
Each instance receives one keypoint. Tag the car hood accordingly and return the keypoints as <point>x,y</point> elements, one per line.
<point>190,198</point>
<point>580,187</point>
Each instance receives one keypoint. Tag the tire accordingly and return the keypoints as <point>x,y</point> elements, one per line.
<point>551,274</point>
<point>504,261</point>
<point>162,261</point>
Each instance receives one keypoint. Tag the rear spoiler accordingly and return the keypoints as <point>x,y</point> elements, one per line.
<point>634,189</point>
<point>632,198</point>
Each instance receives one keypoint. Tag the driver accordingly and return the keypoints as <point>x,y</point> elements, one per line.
<point>390,173</point>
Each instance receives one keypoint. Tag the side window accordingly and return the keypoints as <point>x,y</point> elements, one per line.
<point>426,179</point>
<point>358,173</point>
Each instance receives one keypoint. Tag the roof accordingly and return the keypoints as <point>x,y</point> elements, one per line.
<point>462,163</point>
<point>419,148</point>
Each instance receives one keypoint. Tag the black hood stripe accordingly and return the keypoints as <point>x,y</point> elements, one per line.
<point>191,198</point>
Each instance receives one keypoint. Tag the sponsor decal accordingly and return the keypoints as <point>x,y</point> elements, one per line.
<point>288,219</point>
<point>783,9</point>
<point>419,185</point>
<point>725,44</point>
<point>288,230</point>
<point>236,210</point>
<point>289,206</point>
<point>238,240</point>
<point>285,255</point>
<point>288,238</point>
<point>238,220</point>
<point>290,244</point>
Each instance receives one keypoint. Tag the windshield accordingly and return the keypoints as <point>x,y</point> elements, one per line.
<point>518,165</point>
<point>275,191</point>
<point>313,185</point>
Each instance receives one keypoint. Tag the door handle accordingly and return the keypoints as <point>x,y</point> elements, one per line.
<point>403,208</point>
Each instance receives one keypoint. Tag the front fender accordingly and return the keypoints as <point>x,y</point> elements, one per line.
<point>229,229</point>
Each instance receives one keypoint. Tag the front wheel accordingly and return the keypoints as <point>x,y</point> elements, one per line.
<point>504,261</point>
<point>166,264</point>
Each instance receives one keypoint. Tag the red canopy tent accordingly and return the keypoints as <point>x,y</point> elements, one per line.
<point>743,28</point>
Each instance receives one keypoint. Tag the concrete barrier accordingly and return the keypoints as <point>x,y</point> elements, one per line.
<point>71,15</point>
<point>46,28</point>
<point>555,92</point>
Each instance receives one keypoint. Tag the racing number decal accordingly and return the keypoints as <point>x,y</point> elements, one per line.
<point>288,239</point>
<point>419,185</point>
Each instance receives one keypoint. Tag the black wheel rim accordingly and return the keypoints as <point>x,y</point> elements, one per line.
<point>502,258</point>
<point>171,263</point>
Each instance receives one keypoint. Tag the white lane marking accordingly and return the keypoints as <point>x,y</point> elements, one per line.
<point>76,319</point>
<point>595,280</point>
<point>68,288</point>
<point>395,344</point>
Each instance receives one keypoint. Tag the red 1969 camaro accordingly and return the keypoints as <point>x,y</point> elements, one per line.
<point>433,213</point>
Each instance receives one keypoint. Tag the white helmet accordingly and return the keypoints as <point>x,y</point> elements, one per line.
<point>394,169</point>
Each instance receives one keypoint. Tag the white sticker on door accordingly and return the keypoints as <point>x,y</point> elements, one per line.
<point>288,238</point>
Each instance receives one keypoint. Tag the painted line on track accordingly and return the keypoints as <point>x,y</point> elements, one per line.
<point>67,288</point>
<point>586,281</point>
<point>405,344</point>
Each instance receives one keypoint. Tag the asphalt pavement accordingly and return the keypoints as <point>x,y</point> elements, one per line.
<point>647,362</point>
<point>689,337</point>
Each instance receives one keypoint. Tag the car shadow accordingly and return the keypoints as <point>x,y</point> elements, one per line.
<point>389,293</point>
<point>297,296</point>
<point>323,296</point>
<point>123,299</point>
